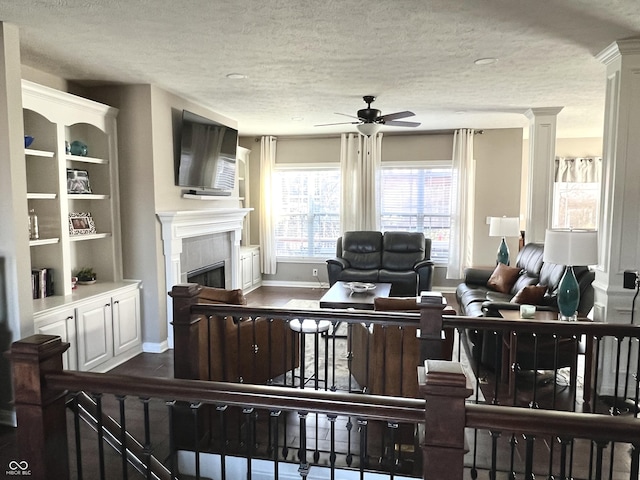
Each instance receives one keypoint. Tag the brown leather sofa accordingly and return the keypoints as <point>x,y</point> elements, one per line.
<point>247,350</point>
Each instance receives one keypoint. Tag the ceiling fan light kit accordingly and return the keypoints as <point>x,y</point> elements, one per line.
<point>370,121</point>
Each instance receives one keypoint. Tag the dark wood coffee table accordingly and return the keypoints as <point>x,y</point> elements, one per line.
<point>339,296</point>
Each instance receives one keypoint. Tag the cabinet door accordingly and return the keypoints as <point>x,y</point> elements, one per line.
<point>255,262</point>
<point>245,265</point>
<point>95,333</point>
<point>126,321</point>
<point>62,324</point>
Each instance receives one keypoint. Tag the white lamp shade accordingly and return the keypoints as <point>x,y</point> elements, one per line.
<point>504,226</point>
<point>368,129</point>
<point>571,247</point>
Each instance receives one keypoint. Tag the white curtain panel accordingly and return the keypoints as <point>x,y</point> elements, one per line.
<point>578,170</point>
<point>359,167</point>
<point>460,239</point>
<point>267,221</point>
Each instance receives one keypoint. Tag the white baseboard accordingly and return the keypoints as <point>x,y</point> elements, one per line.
<point>155,347</point>
<point>290,284</point>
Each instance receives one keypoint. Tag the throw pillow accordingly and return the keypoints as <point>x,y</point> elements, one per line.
<point>530,295</point>
<point>503,278</point>
<point>220,295</point>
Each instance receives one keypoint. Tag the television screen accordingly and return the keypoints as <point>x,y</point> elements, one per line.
<point>207,155</point>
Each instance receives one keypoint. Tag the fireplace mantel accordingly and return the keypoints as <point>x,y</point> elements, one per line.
<point>180,224</point>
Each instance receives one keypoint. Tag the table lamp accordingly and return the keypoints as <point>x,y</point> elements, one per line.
<point>504,227</point>
<point>570,248</point>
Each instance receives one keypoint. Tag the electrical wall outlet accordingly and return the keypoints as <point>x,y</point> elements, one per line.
<point>314,272</point>
<point>630,279</point>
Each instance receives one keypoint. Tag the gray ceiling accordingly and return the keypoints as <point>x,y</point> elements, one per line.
<point>311,59</point>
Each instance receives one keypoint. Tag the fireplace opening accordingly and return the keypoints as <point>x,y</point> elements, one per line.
<point>209,276</point>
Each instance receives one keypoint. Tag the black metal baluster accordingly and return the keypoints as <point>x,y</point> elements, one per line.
<point>332,453</point>
<point>393,427</point>
<point>496,365</point>
<point>474,470</point>
<point>494,454</point>
<point>564,444</point>
<point>528,469</point>
<point>303,469</point>
<point>362,424</point>
<point>294,355</point>
<point>249,422</point>
<point>76,426</point>
<point>195,407</point>
<point>401,376</point>
<point>274,417</point>
<point>333,363</point>
<point>349,354</point>
<point>636,396</point>
<point>123,437</point>
<point>593,401</point>
<point>172,446</point>
<point>97,397</point>
<point>599,455</point>
<point>366,388</point>
<point>615,410</point>
<point>270,348</point>
<point>634,470</point>
<point>349,427</point>
<point>534,401</point>
<point>513,442</point>
<point>146,449</point>
<point>222,409</point>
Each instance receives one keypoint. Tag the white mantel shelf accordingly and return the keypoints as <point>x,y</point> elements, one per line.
<point>180,224</point>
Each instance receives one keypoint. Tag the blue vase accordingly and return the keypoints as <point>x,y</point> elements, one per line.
<point>568,295</point>
<point>503,253</point>
<point>79,148</point>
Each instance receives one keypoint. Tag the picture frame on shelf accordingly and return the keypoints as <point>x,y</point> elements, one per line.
<point>81,224</point>
<point>78,181</point>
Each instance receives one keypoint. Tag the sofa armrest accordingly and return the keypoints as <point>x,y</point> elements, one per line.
<point>477,276</point>
<point>424,269</point>
<point>334,267</point>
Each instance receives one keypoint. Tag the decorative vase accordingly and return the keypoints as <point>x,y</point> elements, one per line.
<point>79,148</point>
<point>568,295</point>
<point>503,253</point>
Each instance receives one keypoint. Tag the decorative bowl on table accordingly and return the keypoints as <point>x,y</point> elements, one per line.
<point>360,287</point>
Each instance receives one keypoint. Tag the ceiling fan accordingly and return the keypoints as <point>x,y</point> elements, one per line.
<point>369,120</point>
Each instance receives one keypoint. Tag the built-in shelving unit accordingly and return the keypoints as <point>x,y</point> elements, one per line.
<point>101,321</point>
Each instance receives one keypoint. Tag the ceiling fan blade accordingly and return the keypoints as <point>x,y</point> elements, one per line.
<point>394,116</point>
<point>339,123</point>
<point>346,115</point>
<point>395,123</point>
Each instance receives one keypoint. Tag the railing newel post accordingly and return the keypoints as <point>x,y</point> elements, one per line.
<point>189,334</point>
<point>445,388</point>
<point>40,410</point>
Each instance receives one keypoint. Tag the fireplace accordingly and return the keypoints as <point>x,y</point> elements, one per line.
<point>208,276</point>
<point>193,239</point>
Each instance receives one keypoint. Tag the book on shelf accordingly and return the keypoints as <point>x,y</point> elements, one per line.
<point>41,282</point>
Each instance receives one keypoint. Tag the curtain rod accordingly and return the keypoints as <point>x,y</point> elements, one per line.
<point>337,135</point>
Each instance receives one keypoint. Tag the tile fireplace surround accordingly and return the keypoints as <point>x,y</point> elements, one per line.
<point>220,224</point>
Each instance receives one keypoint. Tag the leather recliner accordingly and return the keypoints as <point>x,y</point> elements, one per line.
<point>402,259</point>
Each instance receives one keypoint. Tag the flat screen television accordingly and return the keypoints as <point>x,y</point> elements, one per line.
<point>207,158</point>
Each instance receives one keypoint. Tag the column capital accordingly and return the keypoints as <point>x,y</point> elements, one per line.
<point>532,113</point>
<point>628,46</point>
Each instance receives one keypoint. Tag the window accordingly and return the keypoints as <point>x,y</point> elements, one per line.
<point>307,207</point>
<point>418,198</point>
<point>575,205</point>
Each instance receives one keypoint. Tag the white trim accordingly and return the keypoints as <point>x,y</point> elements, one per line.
<point>308,166</point>
<point>155,347</point>
<point>292,284</point>
<point>416,164</point>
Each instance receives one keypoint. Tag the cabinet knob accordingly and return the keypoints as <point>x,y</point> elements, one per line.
<point>70,317</point>
<point>116,302</point>
<point>107,305</point>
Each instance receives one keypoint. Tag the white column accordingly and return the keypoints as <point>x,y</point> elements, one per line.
<point>619,239</point>
<point>542,152</point>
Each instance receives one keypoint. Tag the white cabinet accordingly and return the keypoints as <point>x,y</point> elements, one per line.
<point>125,311</point>
<point>95,333</point>
<point>250,268</point>
<point>108,329</point>
<point>62,323</point>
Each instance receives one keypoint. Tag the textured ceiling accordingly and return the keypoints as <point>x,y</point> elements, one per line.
<point>311,59</point>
